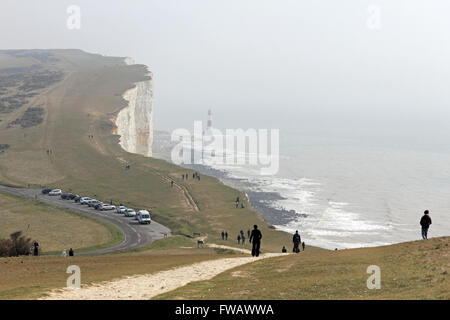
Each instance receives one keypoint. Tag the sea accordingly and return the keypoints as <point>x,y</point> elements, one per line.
<point>348,191</point>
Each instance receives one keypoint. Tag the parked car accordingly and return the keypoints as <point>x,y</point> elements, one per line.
<point>46,190</point>
<point>67,196</point>
<point>121,209</point>
<point>130,213</point>
<point>143,216</point>
<point>107,207</point>
<point>93,202</point>
<point>97,206</point>
<point>55,192</point>
<point>84,200</point>
<point>72,196</point>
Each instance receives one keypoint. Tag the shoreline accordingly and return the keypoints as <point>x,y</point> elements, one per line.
<point>259,200</point>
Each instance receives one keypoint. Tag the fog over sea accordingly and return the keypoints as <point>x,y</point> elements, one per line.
<point>351,190</point>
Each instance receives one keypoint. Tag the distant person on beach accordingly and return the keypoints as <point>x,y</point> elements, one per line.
<point>239,239</point>
<point>425,222</point>
<point>64,253</point>
<point>182,176</point>
<point>70,252</point>
<point>223,235</point>
<point>243,239</point>
<point>284,250</point>
<point>171,184</point>
<point>248,233</point>
<point>226,235</point>
<point>296,240</point>
<point>256,237</point>
<point>303,245</point>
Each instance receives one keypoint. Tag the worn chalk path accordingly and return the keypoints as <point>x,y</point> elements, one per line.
<point>148,286</point>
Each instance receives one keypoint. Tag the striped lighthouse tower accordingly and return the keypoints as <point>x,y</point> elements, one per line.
<point>209,126</point>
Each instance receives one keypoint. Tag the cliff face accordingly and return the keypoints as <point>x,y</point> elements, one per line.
<point>135,122</point>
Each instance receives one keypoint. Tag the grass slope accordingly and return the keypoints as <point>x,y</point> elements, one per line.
<point>412,270</point>
<point>68,229</point>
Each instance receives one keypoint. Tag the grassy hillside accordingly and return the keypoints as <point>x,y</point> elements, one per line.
<point>82,104</point>
<point>413,270</point>
<point>67,229</point>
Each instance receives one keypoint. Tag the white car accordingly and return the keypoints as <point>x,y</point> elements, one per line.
<point>130,213</point>
<point>107,207</point>
<point>85,200</point>
<point>55,192</point>
<point>143,216</point>
<point>121,209</point>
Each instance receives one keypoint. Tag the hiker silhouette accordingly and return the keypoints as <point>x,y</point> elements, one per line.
<point>255,239</point>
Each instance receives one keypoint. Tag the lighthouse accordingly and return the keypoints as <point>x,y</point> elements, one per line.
<point>208,130</point>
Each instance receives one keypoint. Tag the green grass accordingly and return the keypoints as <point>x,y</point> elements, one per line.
<point>69,229</point>
<point>413,270</point>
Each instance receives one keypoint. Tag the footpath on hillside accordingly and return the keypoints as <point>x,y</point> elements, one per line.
<point>144,287</point>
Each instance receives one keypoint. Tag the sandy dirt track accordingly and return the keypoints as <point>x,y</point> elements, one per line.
<point>144,287</point>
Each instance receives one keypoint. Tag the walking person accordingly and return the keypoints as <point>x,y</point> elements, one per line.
<point>71,253</point>
<point>243,240</point>
<point>239,239</point>
<point>425,222</point>
<point>303,245</point>
<point>248,233</point>
<point>223,235</point>
<point>296,239</point>
<point>226,235</point>
<point>256,237</point>
<point>36,248</point>
<point>171,184</point>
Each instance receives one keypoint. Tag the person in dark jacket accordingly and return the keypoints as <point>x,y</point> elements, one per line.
<point>284,250</point>
<point>296,239</point>
<point>303,245</point>
<point>223,235</point>
<point>425,222</point>
<point>239,239</point>
<point>255,239</point>
<point>70,252</point>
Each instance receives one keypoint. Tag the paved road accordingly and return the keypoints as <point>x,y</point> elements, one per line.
<point>136,235</point>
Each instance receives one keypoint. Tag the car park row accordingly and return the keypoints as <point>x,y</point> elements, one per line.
<point>142,216</point>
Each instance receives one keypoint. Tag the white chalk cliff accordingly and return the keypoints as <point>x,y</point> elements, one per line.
<point>135,122</point>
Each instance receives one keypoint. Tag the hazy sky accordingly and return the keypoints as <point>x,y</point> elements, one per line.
<point>265,64</point>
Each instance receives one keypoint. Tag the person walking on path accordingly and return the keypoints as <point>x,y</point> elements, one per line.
<point>425,222</point>
<point>223,235</point>
<point>239,239</point>
<point>248,233</point>
<point>70,252</point>
<point>226,235</point>
<point>303,245</point>
<point>36,248</point>
<point>243,240</point>
<point>296,240</point>
<point>171,184</point>
<point>256,237</point>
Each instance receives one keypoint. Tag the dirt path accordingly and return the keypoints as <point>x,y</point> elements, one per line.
<point>145,287</point>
